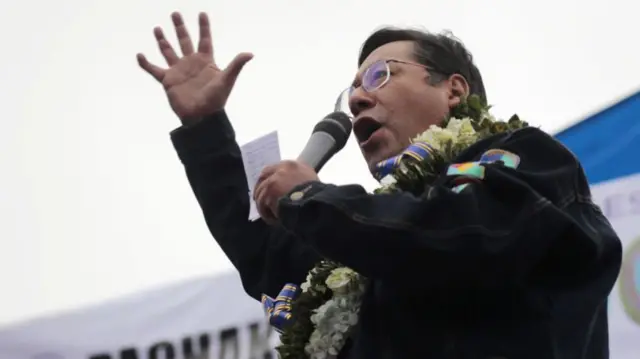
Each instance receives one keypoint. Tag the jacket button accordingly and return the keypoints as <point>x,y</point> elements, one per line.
<point>296,196</point>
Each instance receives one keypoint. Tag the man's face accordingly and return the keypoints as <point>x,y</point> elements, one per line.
<point>385,120</point>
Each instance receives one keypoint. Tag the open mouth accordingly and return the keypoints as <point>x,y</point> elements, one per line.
<point>364,127</point>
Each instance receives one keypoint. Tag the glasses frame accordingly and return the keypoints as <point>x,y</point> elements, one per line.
<point>349,90</point>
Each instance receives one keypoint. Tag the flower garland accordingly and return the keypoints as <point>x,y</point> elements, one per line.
<point>326,311</point>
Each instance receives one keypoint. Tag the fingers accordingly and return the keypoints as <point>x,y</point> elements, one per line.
<point>233,70</point>
<point>205,44</point>
<point>267,215</point>
<point>165,47</point>
<point>262,197</point>
<point>186,45</point>
<point>258,192</point>
<point>153,70</point>
<point>262,186</point>
<point>266,172</point>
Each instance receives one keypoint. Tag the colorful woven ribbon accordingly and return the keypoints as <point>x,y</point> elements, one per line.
<point>279,310</point>
<point>418,151</point>
<point>468,172</point>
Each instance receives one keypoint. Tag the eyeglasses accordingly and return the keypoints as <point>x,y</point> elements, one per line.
<point>374,77</point>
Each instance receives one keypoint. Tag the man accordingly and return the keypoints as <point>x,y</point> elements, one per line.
<point>515,267</point>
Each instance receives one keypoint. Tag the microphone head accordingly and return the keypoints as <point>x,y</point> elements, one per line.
<point>337,125</point>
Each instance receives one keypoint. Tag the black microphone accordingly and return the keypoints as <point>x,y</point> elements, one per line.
<point>328,137</point>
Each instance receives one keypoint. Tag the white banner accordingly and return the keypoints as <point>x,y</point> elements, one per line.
<point>212,318</point>
<point>207,318</point>
<point>620,201</point>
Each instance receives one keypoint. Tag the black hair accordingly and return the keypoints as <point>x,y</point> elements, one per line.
<point>442,52</point>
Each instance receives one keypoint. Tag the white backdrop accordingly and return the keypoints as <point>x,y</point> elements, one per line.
<point>204,318</point>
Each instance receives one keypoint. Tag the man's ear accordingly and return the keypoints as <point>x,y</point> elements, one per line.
<point>458,89</point>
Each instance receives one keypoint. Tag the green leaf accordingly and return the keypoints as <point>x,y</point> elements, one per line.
<point>475,103</point>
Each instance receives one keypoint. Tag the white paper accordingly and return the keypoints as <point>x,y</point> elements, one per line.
<point>256,155</point>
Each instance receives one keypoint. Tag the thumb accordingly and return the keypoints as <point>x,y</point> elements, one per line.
<point>233,69</point>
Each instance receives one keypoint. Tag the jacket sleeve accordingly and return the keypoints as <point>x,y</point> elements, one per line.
<point>266,257</point>
<point>494,224</point>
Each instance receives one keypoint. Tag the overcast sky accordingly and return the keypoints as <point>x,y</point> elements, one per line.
<point>94,202</point>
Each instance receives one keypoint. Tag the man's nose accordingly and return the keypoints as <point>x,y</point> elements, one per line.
<point>360,100</point>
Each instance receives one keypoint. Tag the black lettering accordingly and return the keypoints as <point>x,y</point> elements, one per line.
<point>259,346</point>
<point>129,353</point>
<point>229,340</point>
<point>162,350</point>
<point>202,352</point>
<point>126,353</point>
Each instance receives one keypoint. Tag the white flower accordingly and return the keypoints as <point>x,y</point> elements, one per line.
<point>486,116</point>
<point>465,133</point>
<point>435,136</point>
<point>334,319</point>
<point>462,127</point>
<point>305,286</point>
<point>387,181</point>
<point>340,278</point>
<point>458,131</point>
<point>454,125</point>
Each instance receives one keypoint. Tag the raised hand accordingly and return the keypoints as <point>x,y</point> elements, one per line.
<point>195,85</point>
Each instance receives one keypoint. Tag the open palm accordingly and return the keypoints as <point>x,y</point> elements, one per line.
<point>195,85</point>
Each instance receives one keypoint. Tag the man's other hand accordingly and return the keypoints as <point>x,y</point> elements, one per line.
<point>276,181</point>
<point>195,85</point>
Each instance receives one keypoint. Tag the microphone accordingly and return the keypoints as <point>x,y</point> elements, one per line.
<point>328,137</point>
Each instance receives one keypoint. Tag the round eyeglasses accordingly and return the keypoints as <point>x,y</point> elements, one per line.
<point>374,77</point>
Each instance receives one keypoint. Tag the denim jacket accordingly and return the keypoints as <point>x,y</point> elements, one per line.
<point>518,264</point>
